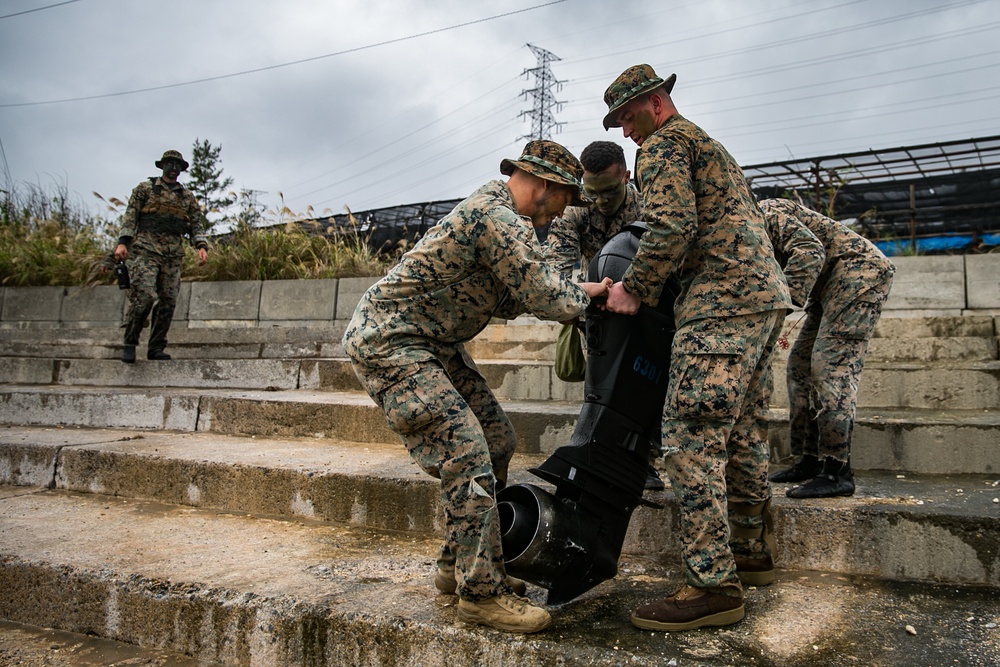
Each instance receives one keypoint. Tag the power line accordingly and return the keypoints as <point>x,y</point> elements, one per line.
<point>38,9</point>
<point>808,38</point>
<point>288,64</point>
<point>394,142</point>
<point>828,33</point>
<point>836,32</point>
<point>424,161</point>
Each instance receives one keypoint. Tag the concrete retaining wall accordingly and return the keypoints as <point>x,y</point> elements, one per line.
<point>923,287</point>
<point>237,303</point>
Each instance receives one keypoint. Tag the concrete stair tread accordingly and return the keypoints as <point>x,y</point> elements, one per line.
<point>967,495</point>
<point>218,585</point>
<point>303,455</point>
<point>359,398</point>
<point>29,645</point>
<point>378,486</point>
<point>180,335</point>
<point>904,440</point>
<point>913,416</point>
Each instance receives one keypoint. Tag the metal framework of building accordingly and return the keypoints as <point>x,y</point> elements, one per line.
<point>386,228</point>
<point>940,197</point>
<point>931,197</point>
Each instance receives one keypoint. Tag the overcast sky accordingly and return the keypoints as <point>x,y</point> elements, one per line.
<point>371,103</point>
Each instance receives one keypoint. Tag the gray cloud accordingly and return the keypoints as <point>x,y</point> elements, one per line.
<point>431,117</point>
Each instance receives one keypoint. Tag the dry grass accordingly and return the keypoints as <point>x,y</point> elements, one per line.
<point>48,241</point>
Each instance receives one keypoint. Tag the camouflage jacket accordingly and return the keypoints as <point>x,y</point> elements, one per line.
<point>705,226</point>
<point>583,230</point>
<point>480,261</point>
<point>843,267</point>
<point>159,215</point>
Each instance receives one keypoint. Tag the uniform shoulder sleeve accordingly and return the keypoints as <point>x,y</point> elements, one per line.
<point>508,248</point>
<point>802,254</point>
<point>562,245</point>
<point>130,220</point>
<point>664,170</point>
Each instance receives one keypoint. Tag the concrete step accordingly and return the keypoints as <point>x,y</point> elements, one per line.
<point>931,339</point>
<point>962,385</point>
<point>929,349</point>
<point>968,338</point>
<point>185,343</point>
<point>30,646</point>
<point>937,385</point>
<point>920,441</point>
<point>240,589</point>
<point>917,527</point>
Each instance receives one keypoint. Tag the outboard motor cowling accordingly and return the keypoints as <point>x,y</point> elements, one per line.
<point>570,541</point>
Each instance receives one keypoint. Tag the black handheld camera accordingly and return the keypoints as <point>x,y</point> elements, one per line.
<point>121,273</point>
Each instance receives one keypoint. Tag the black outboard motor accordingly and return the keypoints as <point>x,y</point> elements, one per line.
<point>570,541</point>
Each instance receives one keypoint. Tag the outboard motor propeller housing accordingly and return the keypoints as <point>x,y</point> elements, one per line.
<point>570,541</point>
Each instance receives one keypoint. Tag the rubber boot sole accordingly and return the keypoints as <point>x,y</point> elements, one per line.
<point>467,617</point>
<point>762,578</point>
<point>727,617</point>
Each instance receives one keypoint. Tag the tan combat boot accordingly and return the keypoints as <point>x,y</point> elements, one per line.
<point>512,613</point>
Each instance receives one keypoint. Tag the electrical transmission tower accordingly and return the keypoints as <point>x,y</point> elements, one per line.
<point>542,119</point>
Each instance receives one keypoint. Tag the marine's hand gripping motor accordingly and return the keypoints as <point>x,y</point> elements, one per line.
<point>570,540</point>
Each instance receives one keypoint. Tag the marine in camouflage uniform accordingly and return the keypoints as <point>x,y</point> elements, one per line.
<point>842,279</point>
<point>578,236</point>
<point>705,225</point>
<point>406,343</point>
<point>160,213</point>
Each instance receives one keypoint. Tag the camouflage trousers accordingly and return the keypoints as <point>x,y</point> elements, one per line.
<point>715,440</point>
<point>454,428</point>
<point>156,279</point>
<point>824,370</point>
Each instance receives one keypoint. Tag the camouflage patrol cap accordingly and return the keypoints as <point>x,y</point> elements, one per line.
<point>551,161</point>
<point>172,155</point>
<point>631,83</point>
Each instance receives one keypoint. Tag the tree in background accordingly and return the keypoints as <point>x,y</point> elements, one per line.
<point>206,181</point>
<point>250,214</point>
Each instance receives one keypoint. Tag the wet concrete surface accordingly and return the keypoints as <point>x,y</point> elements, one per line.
<point>345,595</point>
<point>28,646</point>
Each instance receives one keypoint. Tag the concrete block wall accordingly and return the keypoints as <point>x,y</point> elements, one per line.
<point>237,303</point>
<point>982,281</point>
<point>923,287</point>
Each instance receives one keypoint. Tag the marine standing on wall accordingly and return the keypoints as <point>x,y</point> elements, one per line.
<point>160,213</point>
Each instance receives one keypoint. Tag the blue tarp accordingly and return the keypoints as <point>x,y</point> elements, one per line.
<point>932,244</point>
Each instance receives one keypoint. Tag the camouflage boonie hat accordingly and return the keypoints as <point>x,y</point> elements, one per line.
<point>172,155</point>
<point>551,161</point>
<point>631,83</point>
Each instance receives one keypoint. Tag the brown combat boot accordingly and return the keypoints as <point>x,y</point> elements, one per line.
<point>687,609</point>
